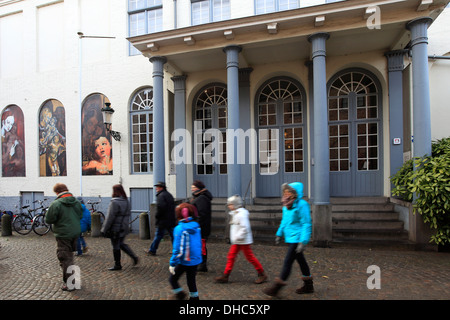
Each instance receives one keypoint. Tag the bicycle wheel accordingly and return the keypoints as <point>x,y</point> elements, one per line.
<point>22,224</point>
<point>39,226</point>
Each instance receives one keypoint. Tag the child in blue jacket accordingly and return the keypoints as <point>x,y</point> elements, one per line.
<point>85,224</point>
<point>295,228</point>
<point>187,251</point>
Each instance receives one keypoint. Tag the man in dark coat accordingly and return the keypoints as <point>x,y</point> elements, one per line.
<point>165,216</point>
<point>201,199</point>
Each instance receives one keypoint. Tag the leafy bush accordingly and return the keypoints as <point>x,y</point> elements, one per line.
<point>428,178</point>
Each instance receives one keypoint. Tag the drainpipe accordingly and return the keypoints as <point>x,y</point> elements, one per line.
<point>435,57</point>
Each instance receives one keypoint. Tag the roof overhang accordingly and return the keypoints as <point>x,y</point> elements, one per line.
<point>282,36</point>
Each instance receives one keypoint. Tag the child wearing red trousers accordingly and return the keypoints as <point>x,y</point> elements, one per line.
<point>241,238</point>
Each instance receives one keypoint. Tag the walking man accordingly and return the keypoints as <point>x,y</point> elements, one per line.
<point>165,216</point>
<point>65,214</point>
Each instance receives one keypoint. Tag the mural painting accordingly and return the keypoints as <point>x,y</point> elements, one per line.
<point>13,142</point>
<point>97,147</point>
<point>52,140</point>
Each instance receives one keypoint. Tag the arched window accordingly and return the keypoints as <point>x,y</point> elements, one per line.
<point>141,117</point>
<point>96,140</point>
<point>13,142</point>
<point>210,110</point>
<point>52,139</point>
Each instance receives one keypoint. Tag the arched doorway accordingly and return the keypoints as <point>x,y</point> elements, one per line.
<point>355,133</point>
<point>281,123</point>
<point>210,124</point>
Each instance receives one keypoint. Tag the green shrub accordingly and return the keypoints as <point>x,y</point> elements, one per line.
<point>428,178</point>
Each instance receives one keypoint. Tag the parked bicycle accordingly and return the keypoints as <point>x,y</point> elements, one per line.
<point>93,208</point>
<point>24,222</point>
<point>39,226</point>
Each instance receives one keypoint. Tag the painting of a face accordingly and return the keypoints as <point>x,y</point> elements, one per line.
<point>96,140</point>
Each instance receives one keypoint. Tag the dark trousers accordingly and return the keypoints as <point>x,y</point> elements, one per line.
<point>119,244</point>
<point>291,256</point>
<point>64,252</point>
<point>191,272</point>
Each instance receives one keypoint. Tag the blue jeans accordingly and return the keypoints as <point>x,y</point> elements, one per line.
<point>80,243</point>
<point>158,237</point>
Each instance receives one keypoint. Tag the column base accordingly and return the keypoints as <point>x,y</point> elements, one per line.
<point>321,225</point>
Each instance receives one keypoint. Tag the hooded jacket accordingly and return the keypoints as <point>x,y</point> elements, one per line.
<point>118,217</point>
<point>295,224</point>
<point>240,230</point>
<point>187,243</point>
<point>65,214</point>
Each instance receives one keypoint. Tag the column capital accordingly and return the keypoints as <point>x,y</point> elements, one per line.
<point>232,47</point>
<point>395,60</point>
<point>418,28</point>
<point>179,82</point>
<point>318,43</point>
<point>161,59</point>
<point>244,76</point>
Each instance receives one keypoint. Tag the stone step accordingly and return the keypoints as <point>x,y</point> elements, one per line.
<point>367,224</point>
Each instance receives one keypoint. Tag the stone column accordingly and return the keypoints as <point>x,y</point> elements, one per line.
<point>321,208</point>
<point>180,123</point>
<point>159,163</point>
<point>234,169</point>
<point>421,86</point>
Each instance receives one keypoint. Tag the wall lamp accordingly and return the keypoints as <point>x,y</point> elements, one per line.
<point>107,112</point>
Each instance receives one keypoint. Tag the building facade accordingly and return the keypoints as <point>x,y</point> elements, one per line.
<point>243,95</point>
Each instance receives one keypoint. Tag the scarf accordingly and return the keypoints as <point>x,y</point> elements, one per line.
<point>287,201</point>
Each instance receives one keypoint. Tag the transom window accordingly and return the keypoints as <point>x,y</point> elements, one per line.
<point>205,11</point>
<point>144,16</point>
<point>141,114</point>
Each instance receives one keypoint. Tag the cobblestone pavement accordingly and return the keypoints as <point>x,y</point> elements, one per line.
<point>29,270</point>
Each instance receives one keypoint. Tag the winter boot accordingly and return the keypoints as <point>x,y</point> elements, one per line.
<point>276,286</point>
<point>202,266</point>
<point>262,277</point>
<point>307,286</point>
<point>178,296</point>
<point>222,279</point>
<point>117,265</point>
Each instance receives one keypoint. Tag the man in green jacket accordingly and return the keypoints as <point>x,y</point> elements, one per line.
<point>65,214</point>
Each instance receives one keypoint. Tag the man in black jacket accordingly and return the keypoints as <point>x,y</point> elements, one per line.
<point>165,216</point>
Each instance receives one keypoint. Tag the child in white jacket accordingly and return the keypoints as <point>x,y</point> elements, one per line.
<point>241,238</point>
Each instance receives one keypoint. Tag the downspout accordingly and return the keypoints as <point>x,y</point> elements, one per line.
<point>435,57</point>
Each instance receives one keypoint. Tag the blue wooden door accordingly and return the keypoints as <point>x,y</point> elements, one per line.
<point>355,135</point>
<point>210,124</point>
<point>281,121</point>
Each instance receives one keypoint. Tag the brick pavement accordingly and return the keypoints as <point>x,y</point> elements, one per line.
<point>29,270</point>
